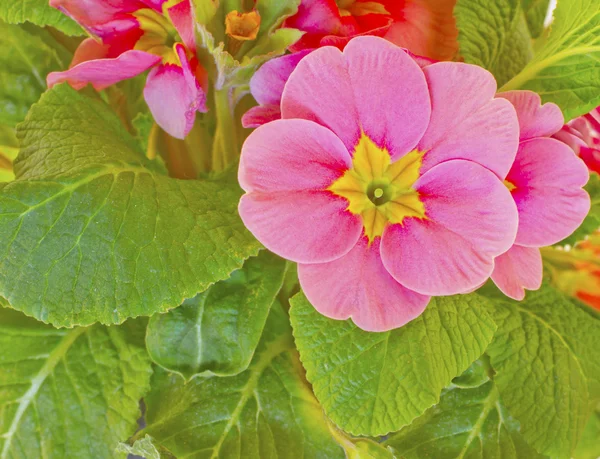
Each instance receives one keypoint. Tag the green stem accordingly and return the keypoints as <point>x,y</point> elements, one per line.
<point>225,146</point>
<point>533,69</point>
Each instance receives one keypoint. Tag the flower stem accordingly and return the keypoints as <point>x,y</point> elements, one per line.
<point>225,146</point>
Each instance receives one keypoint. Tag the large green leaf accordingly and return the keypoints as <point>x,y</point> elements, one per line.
<point>374,383</point>
<point>89,232</point>
<point>68,393</point>
<point>266,411</point>
<point>469,421</point>
<point>566,68</point>
<point>493,34</point>
<point>545,353</point>
<point>217,331</point>
<point>39,13</point>
<point>25,60</point>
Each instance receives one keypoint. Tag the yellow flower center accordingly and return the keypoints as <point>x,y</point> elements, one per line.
<point>354,8</point>
<point>160,36</point>
<point>378,190</point>
<point>511,186</point>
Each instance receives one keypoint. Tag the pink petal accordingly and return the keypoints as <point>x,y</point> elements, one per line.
<point>358,286</point>
<point>102,73</point>
<point>95,12</point>
<point>535,119</point>
<point>466,121</point>
<point>286,167</point>
<point>373,87</point>
<point>315,16</point>
<point>390,93</point>
<point>257,116</point>
<point>319,90</point>
<point>268,82</point>
<point>292,155</point>
<point>548,178</point>
<point>183,19</point>
<point>174,96</point>
<point>302,226</point>
<point>470,219</point>
<point>518,269</point>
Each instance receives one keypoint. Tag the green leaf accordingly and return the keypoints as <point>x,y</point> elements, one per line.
<point>592,221</point>
<point>589,446</point>
<point>38,12</point>
<point>566,68</point>
<point>266,411</point>
<point>535,14</point>
<point>89,233</point>
<point>374,383</point>
<point>467,422</point>
<point>216,332</point>
<point>493,34</point>
<point>25,60</point>
<point>68,393</point>
<point>548,368</point>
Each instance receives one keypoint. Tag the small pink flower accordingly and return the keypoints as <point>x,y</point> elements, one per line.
<point>583,136</point>
<point>546,182</point>
<point>383,181</point>
<point>130,37</point>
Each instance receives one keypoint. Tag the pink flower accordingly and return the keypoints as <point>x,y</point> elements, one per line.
<point>268,82</point>
<point>583,136</point>
<point>426,27</point>
<point>546,182</point>
<point>130,37</point>
<point>383,181</point>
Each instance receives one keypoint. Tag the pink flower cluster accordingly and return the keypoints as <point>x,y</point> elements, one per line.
<point>132,36</point>
<point>390,180</point>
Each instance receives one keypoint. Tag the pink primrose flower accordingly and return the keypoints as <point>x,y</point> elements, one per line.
<point>583,136</point>
<point>130,37</point>
<point>383,180</point>
<point>546,182</point>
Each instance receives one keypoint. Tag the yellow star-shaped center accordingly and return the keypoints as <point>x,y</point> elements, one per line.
<point>378,190</point>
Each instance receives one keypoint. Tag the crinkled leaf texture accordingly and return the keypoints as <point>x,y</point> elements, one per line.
<point>266,411</point>
<point>374,383</point>
<point>494,34</point>
<point>38,12</point>
<point>90,233</point>
<point>545,354</point>
<point>468,422</point>
<point>71,392</point>
<point>566,67</point>
<point>216,332</point>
